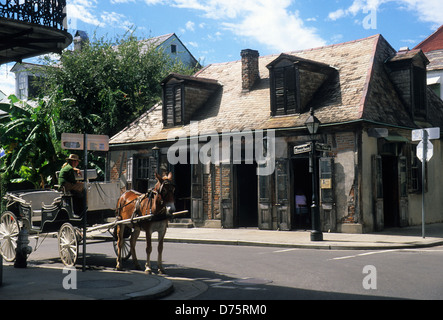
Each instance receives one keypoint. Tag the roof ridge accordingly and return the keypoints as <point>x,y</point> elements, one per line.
<point>292,52</point>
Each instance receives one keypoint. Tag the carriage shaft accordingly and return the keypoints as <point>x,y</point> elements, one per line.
<point>136,219</point>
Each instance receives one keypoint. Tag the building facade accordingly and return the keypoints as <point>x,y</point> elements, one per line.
<point>234,136</point>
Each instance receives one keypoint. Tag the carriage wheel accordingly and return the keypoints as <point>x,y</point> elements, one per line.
<point>68,244</point>
<point>9,230</point>
<point>126,249</point>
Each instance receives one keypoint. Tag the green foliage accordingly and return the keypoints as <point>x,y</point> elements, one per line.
<point>112,83</point>
<point>29,137</point>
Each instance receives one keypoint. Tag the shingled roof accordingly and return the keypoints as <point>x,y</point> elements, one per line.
<point>359,90</point>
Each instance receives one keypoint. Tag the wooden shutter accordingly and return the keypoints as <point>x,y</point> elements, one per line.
<point>279,91</point>
<point>284,95</point>
<point>264,201</point>
<point>282,194</point>
<point>291,90</point>
<point>173,105</point>
<point>197,193</point>
<point>377,182</point>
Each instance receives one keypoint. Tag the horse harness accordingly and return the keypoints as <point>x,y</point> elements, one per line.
<point>149,195</point>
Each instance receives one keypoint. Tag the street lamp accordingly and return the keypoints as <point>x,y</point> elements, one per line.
<point>312,124</point>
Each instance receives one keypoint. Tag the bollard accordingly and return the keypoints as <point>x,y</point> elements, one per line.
<point>22,249</point>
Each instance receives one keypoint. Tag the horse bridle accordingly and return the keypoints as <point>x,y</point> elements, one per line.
<point>160,191</point>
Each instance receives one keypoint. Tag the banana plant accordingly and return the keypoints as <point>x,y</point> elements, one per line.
<point>29,138</point>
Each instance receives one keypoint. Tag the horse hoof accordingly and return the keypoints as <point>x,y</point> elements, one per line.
<point>148,271</point>
<point>119,269</point>
<point>161,271</point>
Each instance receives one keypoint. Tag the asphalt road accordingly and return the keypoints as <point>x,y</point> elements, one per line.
<point>219,272</point>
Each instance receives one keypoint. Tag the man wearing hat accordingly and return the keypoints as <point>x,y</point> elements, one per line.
<point>68,173</point>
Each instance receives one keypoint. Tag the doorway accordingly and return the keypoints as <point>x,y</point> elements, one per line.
<point>302,194</point>
<point>246,195</point>
<point>182,176</point>
<point>391,213</point>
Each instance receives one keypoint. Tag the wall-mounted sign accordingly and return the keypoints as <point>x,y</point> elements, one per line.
<point>326,183</point>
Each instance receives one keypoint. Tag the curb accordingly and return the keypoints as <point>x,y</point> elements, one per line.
<point>161,290</point>
<point>324,245</point>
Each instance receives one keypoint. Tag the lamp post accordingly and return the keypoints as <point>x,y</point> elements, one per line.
<point>312,124</point>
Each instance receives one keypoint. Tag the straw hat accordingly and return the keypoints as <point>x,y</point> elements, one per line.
<point>73,157</point>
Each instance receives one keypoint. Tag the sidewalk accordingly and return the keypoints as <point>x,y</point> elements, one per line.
<point>396,238</point>
<point>45,281</point>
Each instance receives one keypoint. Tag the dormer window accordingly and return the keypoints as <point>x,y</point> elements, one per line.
<point>183,96</point>
<point>407,70</point>
<point>294,82</point>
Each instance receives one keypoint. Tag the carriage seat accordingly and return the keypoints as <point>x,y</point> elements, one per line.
<point>41,200</point>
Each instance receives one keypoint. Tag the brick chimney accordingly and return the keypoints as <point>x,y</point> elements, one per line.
<point>250,72</point>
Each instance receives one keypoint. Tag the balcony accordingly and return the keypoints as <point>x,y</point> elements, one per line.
<point>29,28</point>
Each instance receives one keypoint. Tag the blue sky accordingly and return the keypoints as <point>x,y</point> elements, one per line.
<point>217,30</point>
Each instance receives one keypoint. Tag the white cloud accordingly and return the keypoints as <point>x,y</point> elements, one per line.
<point>426,10</point>
<point>269,22</point>
<point>190,26</point>
<point>83,10</point>
<point>121,1</point>
<point>193,44</point>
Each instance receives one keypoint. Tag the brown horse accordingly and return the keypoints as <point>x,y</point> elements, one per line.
<point>159,201</point>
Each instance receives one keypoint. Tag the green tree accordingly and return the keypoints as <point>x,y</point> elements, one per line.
<point>111,82</point>
<point>29,137</point>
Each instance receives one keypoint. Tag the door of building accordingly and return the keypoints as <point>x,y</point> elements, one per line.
<point>302,193</point>
<point>246,199</point>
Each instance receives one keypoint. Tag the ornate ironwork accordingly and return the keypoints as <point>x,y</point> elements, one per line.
<point>49,13</point>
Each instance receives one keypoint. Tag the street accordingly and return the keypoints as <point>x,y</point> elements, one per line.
<point>221,272</point>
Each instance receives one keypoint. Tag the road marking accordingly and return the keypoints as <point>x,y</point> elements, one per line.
<point>363,254</point>
<point>285,250</point>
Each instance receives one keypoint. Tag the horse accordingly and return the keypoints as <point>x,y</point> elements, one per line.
<point>159,202</point>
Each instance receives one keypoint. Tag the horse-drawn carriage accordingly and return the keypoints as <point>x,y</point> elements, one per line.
<point>46,211</point>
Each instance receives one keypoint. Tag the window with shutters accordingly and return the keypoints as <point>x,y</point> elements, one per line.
<point>173,105</point>
<point>284,91</point>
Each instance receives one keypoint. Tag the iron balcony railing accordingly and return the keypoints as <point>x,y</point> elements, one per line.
<point>49,13</point>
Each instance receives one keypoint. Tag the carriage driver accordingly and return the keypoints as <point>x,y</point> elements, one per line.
<point>68,172</point>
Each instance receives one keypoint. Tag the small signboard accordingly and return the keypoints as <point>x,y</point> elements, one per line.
<point>98,142</point>
<point>326,183</point>
<point>75,141</point>
<point>433,133</point>
<point>302,148</point>
<point>72,141</point>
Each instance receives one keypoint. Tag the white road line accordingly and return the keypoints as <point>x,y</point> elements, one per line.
<point>363,254</point>
<point>285,250</point>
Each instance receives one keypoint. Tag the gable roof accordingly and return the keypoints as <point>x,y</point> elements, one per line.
<point>359,90</point>
<point>433,42</point>
<point>159,40</point>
